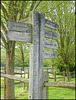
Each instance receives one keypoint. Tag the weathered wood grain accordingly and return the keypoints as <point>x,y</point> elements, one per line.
<point>19,36</point>
<point>50,54</point>
<point>34,57</point>
<point>25,20</point>
<point>15,78</point>
<point>45,89</point>
<point>51,24</point>
<point>41,53</point>
<point>61,84</point>
<point>19,26</point>
<point>50,44</point>
<point>50,34</point>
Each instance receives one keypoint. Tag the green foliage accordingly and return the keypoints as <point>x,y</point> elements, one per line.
<point>18,54</point>
<point>47,63</point>
<point>3,57</point>
<point>61,12</point>
<point>15,11</point>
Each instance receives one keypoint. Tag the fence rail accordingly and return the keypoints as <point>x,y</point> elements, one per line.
<point>62,84</point>
<point>15,78</point>
<point>57,77</point>
<point>47,84</point>
<point>18,70</point>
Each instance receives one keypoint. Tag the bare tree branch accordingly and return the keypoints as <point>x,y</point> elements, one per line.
<point>4,29</point>
<point>3,39</point>
<point>4,18</point>
<point>2,44</point>
<point>10,10</point>
<point>15,11</point>
<point>31,8</point>
<point>22,10</point>
<point>36,5</point>
<point>4,10</point>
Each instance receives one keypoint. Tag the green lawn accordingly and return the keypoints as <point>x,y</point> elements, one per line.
<point>61,93</point>
<point>53,92</point>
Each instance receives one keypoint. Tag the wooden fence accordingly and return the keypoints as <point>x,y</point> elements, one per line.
<point>18,71</point>
<point>63,73</point>
<point>46,78</point>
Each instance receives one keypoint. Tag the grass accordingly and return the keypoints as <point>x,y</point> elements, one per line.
<point>20,92</point>
<point>61,93</point>
<point>53,92</point>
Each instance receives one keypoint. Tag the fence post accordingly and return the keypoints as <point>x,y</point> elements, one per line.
<point>21,72</point>
<point>47,69</point>
<point>45,89</point>
<point>5,84</point>
<point>55,76</point>
<point>28,78</point>
<point>23,75</point>
<point>64,75</point>
<point>69,76</point>
<point>74,74</point>
<point>28,72</point>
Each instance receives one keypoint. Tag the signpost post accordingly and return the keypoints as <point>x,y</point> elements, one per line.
<point>34,57</point>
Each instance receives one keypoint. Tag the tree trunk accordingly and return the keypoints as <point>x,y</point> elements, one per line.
<point>67,71</point>
<point>10,70</point>
<point>22,54</point>
<point>52,68</point>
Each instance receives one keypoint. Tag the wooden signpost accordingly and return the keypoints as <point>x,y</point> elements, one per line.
<point>19,31</point>
<point>19,36</point>
<point>51,24</point>
<point>35,33</point>
<point>50,44</point>
<point>18,26</point>
<point>50,54</point>
<point>50,34</point>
